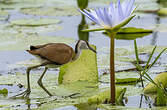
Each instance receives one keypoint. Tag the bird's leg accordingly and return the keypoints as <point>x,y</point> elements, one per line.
<point>41,84</point>
<point>27,92</point>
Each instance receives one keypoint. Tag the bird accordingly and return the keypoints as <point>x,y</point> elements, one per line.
<point>53,55</point>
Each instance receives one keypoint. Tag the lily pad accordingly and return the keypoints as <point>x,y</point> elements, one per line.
<point>3,15</point>
<point>131,33</point>
<point>83,69</point>
<point>133,30</point>
<point>130,36</point>
<point>127,81</point>
<point>2,12</point>
<point>123,81</point>
<point>161,99</point>
<point>104,96</point>
<point>52,11</point>
<point>34,29</point>
<point>35,22</point>
<point>162,11</point>
<point>10,41</point>
<point>4,91</point>
<point>160,78</point>
<point>17,4</point>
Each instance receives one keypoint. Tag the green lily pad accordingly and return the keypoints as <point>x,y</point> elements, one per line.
<point>160,78</point>
<point>2,12</point>
<point>162,11</point>
<point>17,4</point>
<point>52,11</point>
<point>35,22</point>
<point>3,15</point>
<point>83,69</point>
<point>133,30</point>
<point>129,50</point>
<point>105,96</point>
<point>130,36</point>
<point>161,99</point>
<point>11,41</point>
<point>123,81</point>
<point>34,29</point>
<point>147,4</point>
<point>131,33</point>
<point>4,91</point>
<point>127,81</point>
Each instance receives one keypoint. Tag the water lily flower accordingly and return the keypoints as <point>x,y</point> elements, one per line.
<point>113,15</point>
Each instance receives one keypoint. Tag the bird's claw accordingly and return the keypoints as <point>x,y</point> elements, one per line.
<point>24,94</point>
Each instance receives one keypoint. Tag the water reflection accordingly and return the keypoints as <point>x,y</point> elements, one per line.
<point>82,4</point>
<point>28,103</point>
<point>82,26</point>
<point>155,33</point>
<point>86,106</point>
<point>141,101</point>
<point>146,99</point>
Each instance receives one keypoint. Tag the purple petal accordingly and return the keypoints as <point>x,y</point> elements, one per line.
<point>124,7</point>
<point>108,17</point>
<point>120,12</point>
<point>99,14</point>
<point>89,15</point>
<point>112,6</point>
<point>104,17</point>
<point>129,7</point>
<point>112,12</point>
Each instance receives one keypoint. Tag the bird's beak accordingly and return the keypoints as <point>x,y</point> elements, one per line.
<point>92,49</point>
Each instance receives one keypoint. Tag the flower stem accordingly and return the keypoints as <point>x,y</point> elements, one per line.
<point>112,68</point>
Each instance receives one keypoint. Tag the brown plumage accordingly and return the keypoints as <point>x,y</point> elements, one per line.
<point>53,55</point>
<point>58,53</point>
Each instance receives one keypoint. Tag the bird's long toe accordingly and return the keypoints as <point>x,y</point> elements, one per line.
<point>24,94</point>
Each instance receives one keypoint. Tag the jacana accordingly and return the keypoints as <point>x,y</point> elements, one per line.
<point>53,55</point>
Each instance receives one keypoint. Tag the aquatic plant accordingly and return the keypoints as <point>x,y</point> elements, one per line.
<point>161,91</point>
<point>82,4</point>
<point>111,19</point>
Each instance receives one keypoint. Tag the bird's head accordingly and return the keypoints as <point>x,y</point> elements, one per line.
<point>81,44</point>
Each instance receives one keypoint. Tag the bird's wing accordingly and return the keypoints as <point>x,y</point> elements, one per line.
<point>58,52</point>
<point>39,46</point>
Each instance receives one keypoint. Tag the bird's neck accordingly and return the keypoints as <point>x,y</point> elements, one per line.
<point>77,53</point>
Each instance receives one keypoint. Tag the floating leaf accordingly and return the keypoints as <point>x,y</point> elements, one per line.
<point>3,91</point>
<point>161,99</point>
<point>104,96</point>
<point>122,81</point>
<point>17,4</point>
<point>160,78</point>
<point>83,69</point>
<point>35,22</point>
<point>11,41</point>
<point>133,30</point>
<point>131,33</point>
<point>52,11</point>
<point>162,11</point>
<point>127,80</point>
<point>34,29</point>
<point>2,12</point>
<point>130,36</point>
